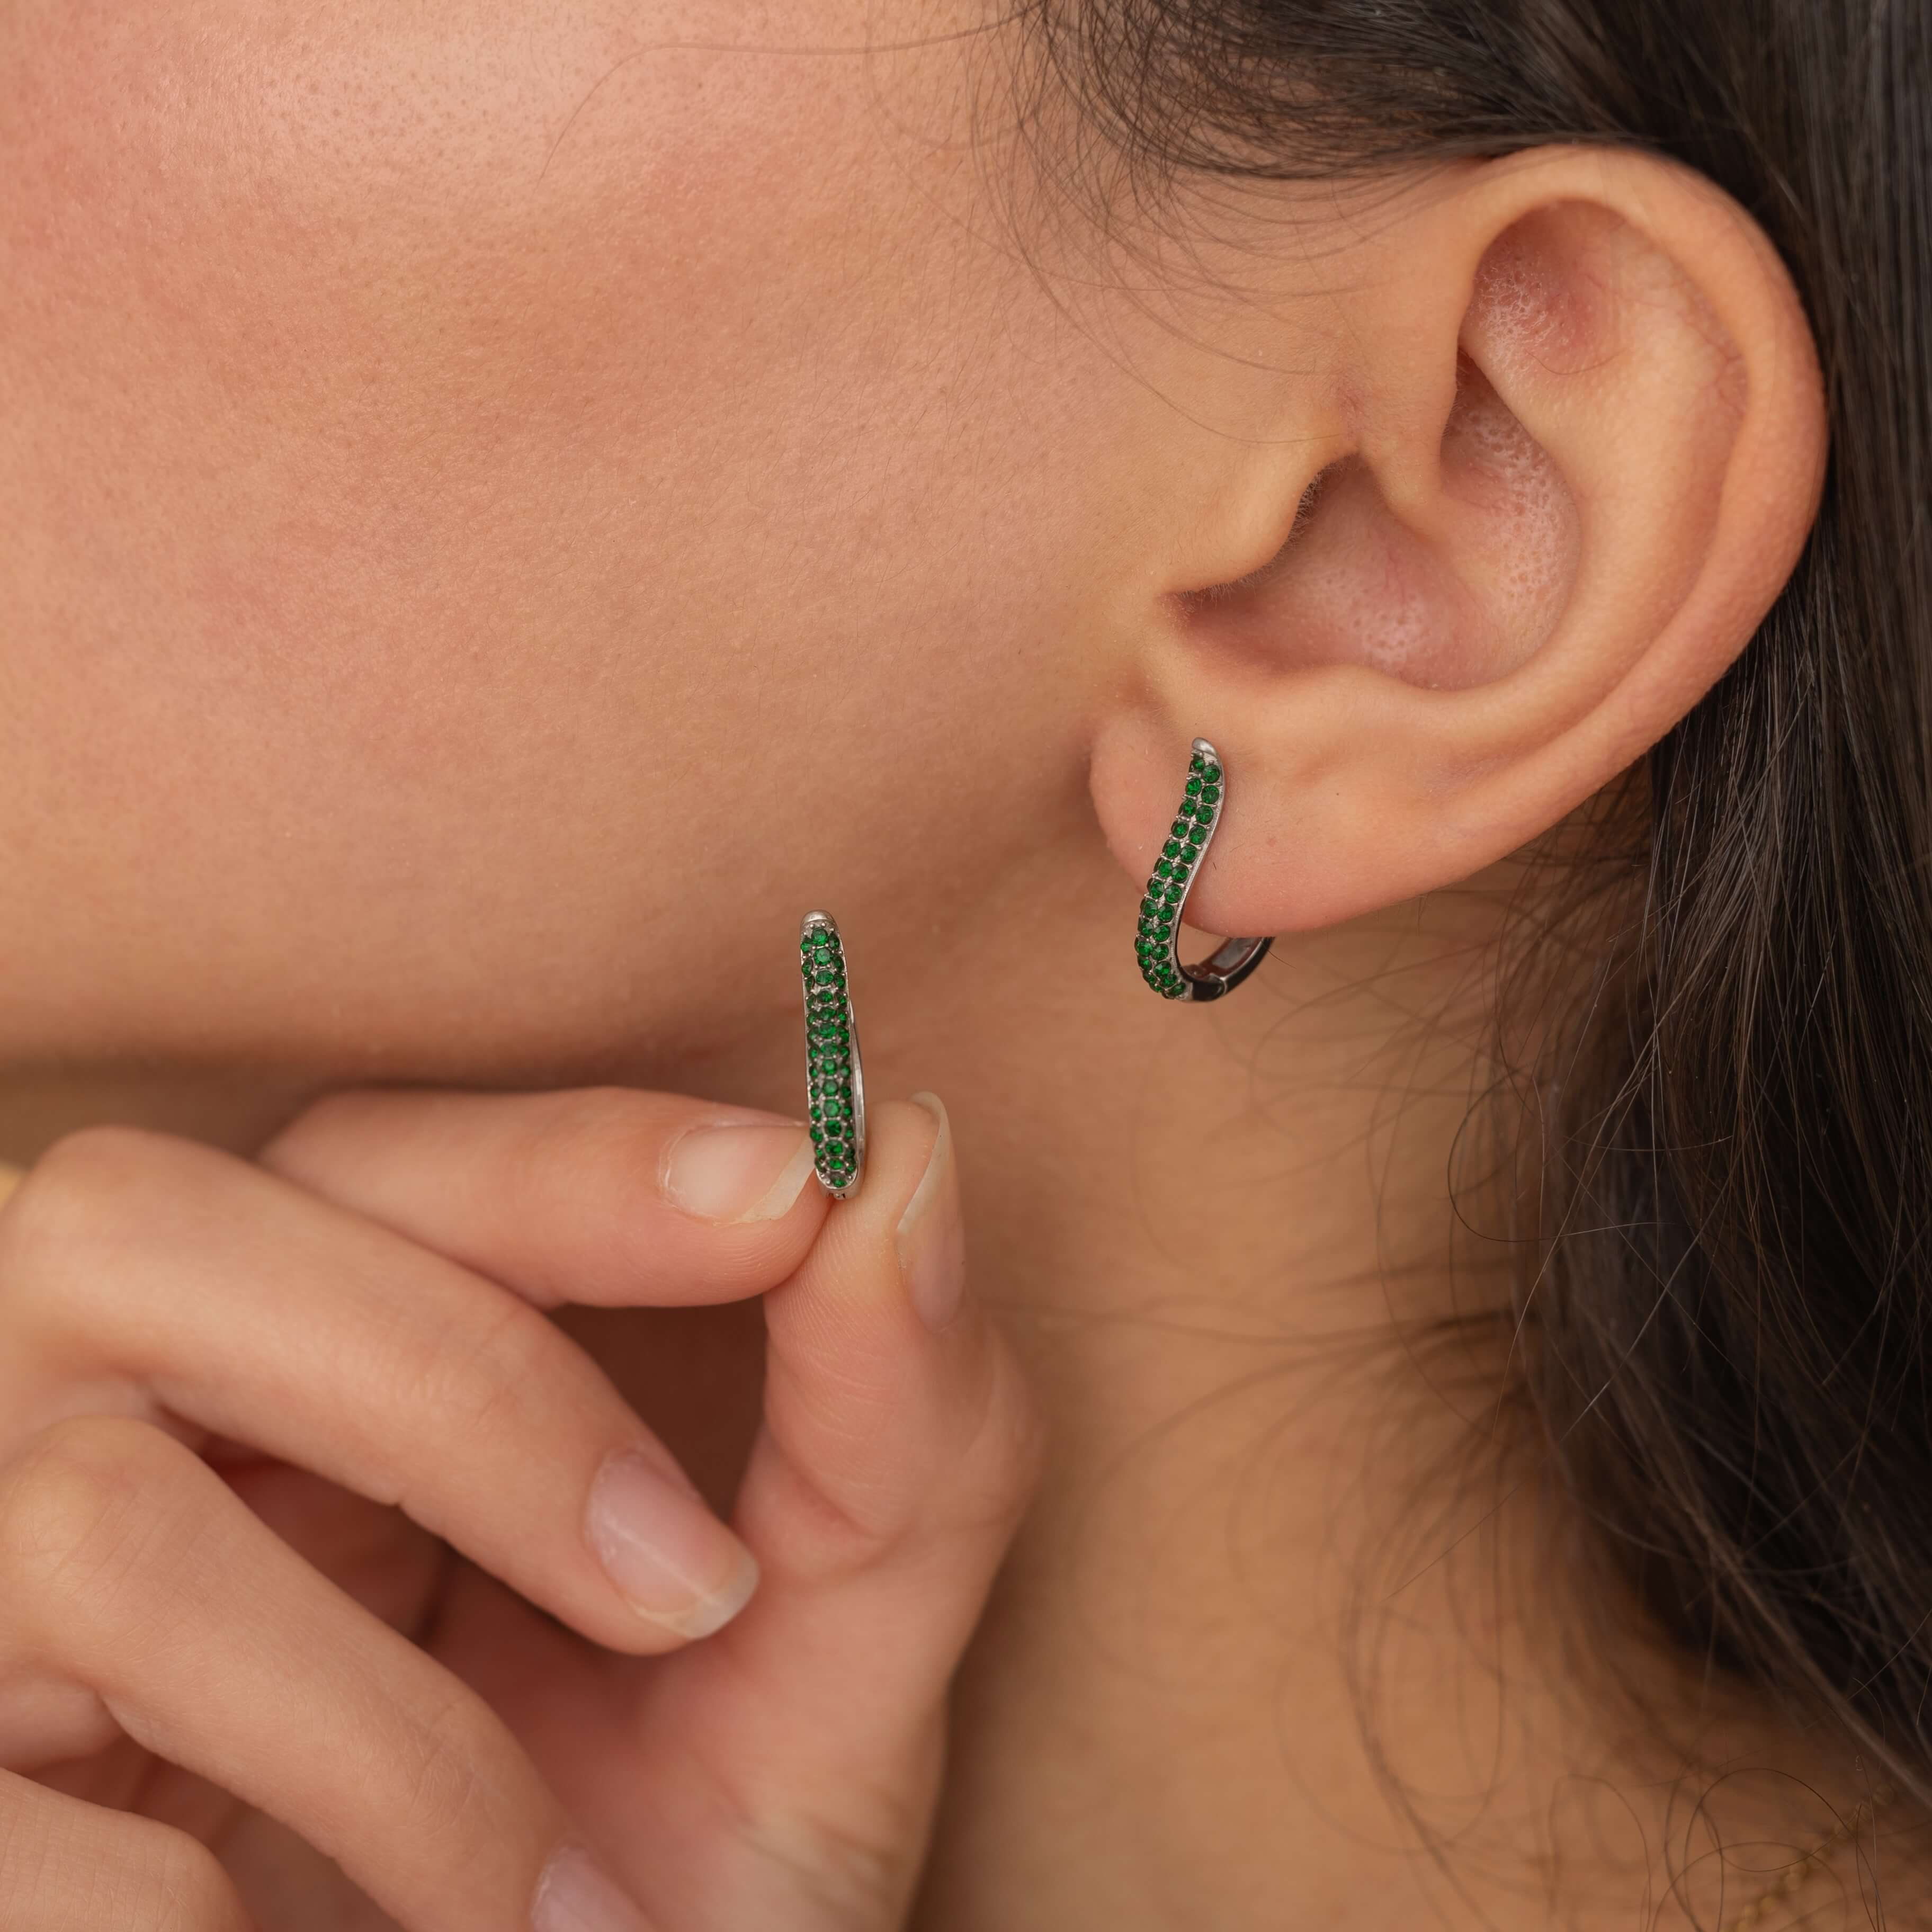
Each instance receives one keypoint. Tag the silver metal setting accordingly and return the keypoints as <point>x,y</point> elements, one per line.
<point>1233,960</point>
<point>827,1003</point>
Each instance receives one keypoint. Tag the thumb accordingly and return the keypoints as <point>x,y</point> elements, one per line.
<point>897,1452</point>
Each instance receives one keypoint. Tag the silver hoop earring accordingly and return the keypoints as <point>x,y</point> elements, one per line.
<point>835,1081</point>
<point>1202,800</point>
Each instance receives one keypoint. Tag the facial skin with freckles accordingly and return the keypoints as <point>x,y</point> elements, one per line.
<point>507,506</point>
<point>439,449</point>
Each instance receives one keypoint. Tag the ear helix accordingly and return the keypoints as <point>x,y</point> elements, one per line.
<point>1202,800</point>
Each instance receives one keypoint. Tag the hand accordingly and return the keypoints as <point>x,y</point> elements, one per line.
<point>363,1304</point>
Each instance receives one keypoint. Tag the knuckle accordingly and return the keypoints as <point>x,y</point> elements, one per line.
<point>140,1876</point>
<point>80,1202</point>
<point>507,1365</point>
<point>81,1507</point>
<point>57,1206</point>
<point>452,1776</point>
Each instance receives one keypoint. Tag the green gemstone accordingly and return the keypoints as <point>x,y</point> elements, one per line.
<point>1197,835</point>
<point>1165,869</point>
<point>1193,786</point>
<point>1172,848</point>
<point>1209,793</point>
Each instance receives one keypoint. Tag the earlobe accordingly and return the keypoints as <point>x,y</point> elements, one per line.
<point>1585,448</point>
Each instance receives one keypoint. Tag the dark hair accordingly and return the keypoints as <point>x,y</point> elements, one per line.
<point>1727,1293</point>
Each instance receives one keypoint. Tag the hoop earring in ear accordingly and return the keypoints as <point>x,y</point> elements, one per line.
<point>1173,874</point>
<point>834,1081</point>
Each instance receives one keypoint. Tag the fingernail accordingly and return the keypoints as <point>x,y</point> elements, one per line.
<point>675,1562</point>
<point>738,1172</point>
<point>931,1237</point>
<point>575,1895</point>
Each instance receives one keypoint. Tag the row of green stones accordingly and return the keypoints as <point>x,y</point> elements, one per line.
<point>1160,909</point>
<point>828,1052</point>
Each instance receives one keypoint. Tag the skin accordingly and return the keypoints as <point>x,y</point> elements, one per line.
<point>509,507</point>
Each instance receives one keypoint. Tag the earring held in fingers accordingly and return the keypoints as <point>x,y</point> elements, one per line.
<point>1203,798</point>
<point>834,1081</point>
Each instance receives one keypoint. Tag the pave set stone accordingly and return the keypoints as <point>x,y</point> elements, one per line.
<point>1160,909</point>
<point>829,1053</point>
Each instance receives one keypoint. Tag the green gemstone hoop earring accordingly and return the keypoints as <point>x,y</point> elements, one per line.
<point>1174,871</point>
<point>834,1081</point>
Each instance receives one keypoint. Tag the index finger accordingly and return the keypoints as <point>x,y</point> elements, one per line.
<point>601,1196</point>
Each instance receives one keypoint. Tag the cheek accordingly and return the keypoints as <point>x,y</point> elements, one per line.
<point>462,489</point>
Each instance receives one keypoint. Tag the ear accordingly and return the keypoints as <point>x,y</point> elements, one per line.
<point>1562,456</point>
